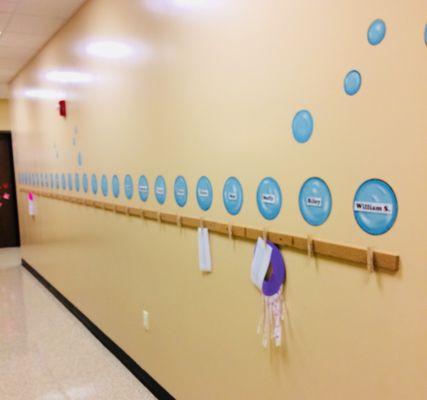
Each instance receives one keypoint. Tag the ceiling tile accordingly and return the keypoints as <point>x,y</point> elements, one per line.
<point>7,6</point>
<point>34,25</point>
<point>51,8</point>
<point>4,19</point>
<point>15,52</point>
<point>22,40</point>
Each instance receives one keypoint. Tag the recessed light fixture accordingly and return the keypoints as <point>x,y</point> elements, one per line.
<point>69,76</point>
<point>46,94</point>
<point>110,49</point>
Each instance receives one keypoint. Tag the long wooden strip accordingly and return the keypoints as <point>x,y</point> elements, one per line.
<point>385,261</point>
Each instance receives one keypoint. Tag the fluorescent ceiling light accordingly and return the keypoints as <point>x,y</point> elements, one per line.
<point>44,94</point>
<point>109,49</point>
<point>69,76</point>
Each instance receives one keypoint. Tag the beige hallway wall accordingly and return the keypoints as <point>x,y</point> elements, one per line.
<point>4,115</point>
<point>210,88</point>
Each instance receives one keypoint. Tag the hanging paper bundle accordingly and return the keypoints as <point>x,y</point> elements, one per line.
<point>270,281</point>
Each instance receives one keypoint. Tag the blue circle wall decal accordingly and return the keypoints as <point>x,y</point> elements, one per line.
<point>77,182</point>
<point>128,186</point>
<point>63,182</point>
<point>42,180</point>
<point>79,159</point>
<point>425,34</point>
<point>57,181</point>
<point>115,186</point>
<point>46,180</point>
<point>143,188</point>
<point>51,181</point>
<point>70,181</point>
<point>94,184</point>
<point>232,195</point>
<point>204,193</point>
<point>104,185</point>
<point>160,189</point>
<point>302,126</point>
<point>352,82</point>
<point>376,32</point>
<point>180,191</point>
<point>315,201</point>
<point>85,183</point>
<point>375,207</point>
<point>269,198</point>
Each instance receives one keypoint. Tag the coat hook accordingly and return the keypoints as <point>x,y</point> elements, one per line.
<point>310,247</point>
<point>370,259</point>
<point>178,221</point>
<point>265,236</point>
<point>201,222</point>
<point>230,230</point>
<point>141,214</point>
<point>159,217</point>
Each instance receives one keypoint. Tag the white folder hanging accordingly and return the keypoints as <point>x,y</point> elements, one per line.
<point>205,263</point>
<point>260,262</point>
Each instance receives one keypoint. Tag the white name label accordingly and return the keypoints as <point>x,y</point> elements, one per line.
<point>160,190</point>
<point>203,192</point>
<point>143,188</point>
<point>232,196</point>
<point>269,198</point>
<point>374,208</point>
<point>180,192</point>
<point>313,201</point>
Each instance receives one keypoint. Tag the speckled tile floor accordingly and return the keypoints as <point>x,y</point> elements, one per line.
<point>46,353</point>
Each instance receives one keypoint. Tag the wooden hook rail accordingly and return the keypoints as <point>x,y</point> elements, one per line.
<point>381,261</point>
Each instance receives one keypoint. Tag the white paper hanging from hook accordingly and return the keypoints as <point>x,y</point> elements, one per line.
<point>260,262</point>
<point>205,263</point>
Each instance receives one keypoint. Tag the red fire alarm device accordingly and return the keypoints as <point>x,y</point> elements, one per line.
<point>62,108</point>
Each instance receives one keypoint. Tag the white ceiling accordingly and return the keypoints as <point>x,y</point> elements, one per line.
<point>25,26</point>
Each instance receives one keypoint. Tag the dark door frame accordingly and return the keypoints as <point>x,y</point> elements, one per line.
<point>13,184</point>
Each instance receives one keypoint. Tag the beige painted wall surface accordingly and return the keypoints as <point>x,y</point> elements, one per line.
<point>4,115</point>
<point>210,88</point>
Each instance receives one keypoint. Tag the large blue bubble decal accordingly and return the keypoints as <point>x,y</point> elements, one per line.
<point>302,126</point>
<point>376,32</point>
<point>375,207</point>
<point>204,193</point>
<point>315,201</point>
<point>232,195</point>
<point>352,82</point>
<point>269,198</point>
<point>104,185</point>
<point>160,189</point>
<point>181,191</point>
<point>128,187</point>
<point>115,186</point>
<point>143,188</point>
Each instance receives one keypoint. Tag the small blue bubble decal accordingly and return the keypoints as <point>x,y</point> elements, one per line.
<point>375,207</point>
<point>269,198</point>
<point>376,32</point>
<point>94,184</point>
<point>352,82</point>
<point>180,191</point>
<point>160,189</point>
<point>104,185</point>
<point>79,159</point>
<point>85,183</point>
<point>77,182</point>
<point>232,195</point>
<point>204,193</point>
<point>63,182</point>
<point>115,185</point>
<point>128,186</point>
<point>57,181</point>
<point>70,181</point>
<point>302,126</point>
<point>52,184</point>
<point>46,180</point>
<point>315,201</point>
<point>143,188</point>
